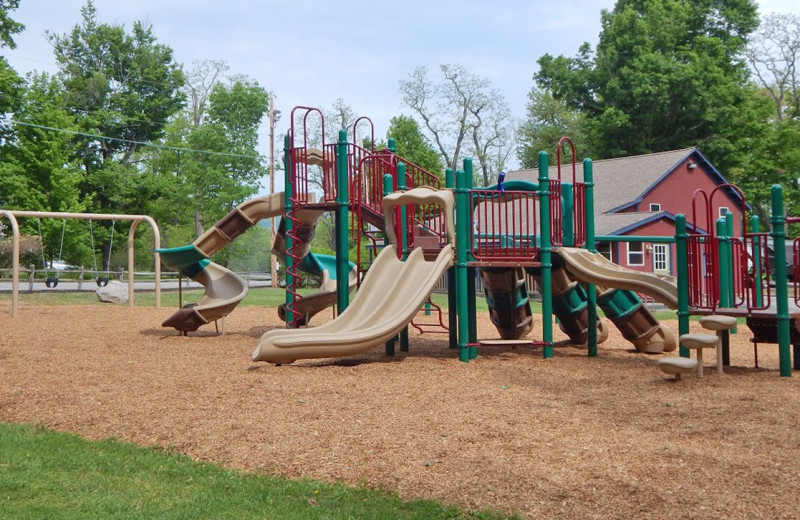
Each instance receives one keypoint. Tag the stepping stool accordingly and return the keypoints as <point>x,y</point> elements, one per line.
<point>698,341</point>
<point>677,366</point>
<point>722,325</point>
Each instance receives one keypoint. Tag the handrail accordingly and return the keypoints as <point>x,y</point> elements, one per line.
<point>12,215</point>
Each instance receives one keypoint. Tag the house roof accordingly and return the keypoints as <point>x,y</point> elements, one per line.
<point>622,223</point>
<point>623,182</point>
<point>618,182</point>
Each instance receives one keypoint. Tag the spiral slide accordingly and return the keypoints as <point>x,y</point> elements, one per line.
<point>223,288</point>
<point>389,298</point>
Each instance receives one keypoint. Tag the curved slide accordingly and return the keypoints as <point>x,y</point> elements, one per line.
<point>597,269</point>
<point>619,301</point>
<point>389,298</point>
<point>223,288</point>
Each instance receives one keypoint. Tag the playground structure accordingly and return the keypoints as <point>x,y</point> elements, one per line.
<point>13,215</point>
<point>505,231</point>
<point>740,272</point>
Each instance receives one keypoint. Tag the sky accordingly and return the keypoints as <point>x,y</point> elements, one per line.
<point>311,52</point>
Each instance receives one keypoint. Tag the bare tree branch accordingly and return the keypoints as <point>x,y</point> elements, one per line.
<point>462,114</point>
<point>773,54</point>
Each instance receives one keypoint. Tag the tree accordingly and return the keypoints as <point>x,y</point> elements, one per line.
<point>221,166</point>
<point>199,83</point>
<point>463,114</point>
<point>773,54</point>
<point>493,138</point>
<point>8,27</point>
<point>10,82</point>
<point>663,75</point>
<point>126,86</point>
<point>548,119</point>
<point>122,89</point>
<point>412,144</point>
<point>39,171</point>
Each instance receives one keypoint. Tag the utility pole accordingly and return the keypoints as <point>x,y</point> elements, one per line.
<point>273,262</point>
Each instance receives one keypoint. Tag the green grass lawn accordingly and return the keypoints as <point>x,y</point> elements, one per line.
<point>58,476</point>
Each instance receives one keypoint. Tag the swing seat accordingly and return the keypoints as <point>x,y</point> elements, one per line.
<point>101,281</point>
<point>51,282</point>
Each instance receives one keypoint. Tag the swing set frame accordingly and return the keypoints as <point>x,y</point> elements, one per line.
<point>12,216</point>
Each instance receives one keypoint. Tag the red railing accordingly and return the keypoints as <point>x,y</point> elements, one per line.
<point>504,226</point>
<point>796,270</point>
<point>740,280</point>
<point>578,197</point>
<point>756,271</point>
<point>749,256</point>
<point>703,283</point>
<point>300,149</point>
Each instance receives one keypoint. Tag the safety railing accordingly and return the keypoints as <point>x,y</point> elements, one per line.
<point>578,214</point>
<point>504,225</point>
<point>746,282</point>
<point>796,270</point>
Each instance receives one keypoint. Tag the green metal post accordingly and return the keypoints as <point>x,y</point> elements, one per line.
<point>682,261</point>
<point>391,145</point>
<point>724,267</point>
<point>402,240</point>
<point>778,235</point>
<point>288,194</point>
<point>731,286</point>
<point>567,215</point>
<point>591,289</point>
<point>473,325</point>
<point>342,227</point>
<point>388,186</point>
<point>463,221</point>
<point>452,301</point>
<point>725,270</point>
<point>755,226</point>
<point>545,252</point>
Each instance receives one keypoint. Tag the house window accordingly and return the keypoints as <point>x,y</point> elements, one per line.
<point>723,210</point>
<point>635,253</point>
<point>655,207</point>
<point>604,248</point>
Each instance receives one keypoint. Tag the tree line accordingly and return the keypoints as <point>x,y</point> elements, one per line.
<point>123,128</point>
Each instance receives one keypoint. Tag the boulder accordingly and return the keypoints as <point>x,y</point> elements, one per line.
<point>114,292</point>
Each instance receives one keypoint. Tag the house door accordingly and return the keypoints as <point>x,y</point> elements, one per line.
<point>661,259</point>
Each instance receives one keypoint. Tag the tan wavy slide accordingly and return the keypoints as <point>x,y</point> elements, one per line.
<point>597,269</point>
<point>389,297</point>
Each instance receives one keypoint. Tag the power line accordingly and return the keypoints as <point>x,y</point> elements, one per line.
<point>130,141</point>
<point>42,105</point>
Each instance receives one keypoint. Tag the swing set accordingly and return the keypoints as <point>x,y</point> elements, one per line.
<point>52,280</point>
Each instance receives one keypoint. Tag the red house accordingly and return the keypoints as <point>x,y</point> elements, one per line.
<point>640,196</point>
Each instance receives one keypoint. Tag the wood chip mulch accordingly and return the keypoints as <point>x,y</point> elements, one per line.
<point>569,437</point>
